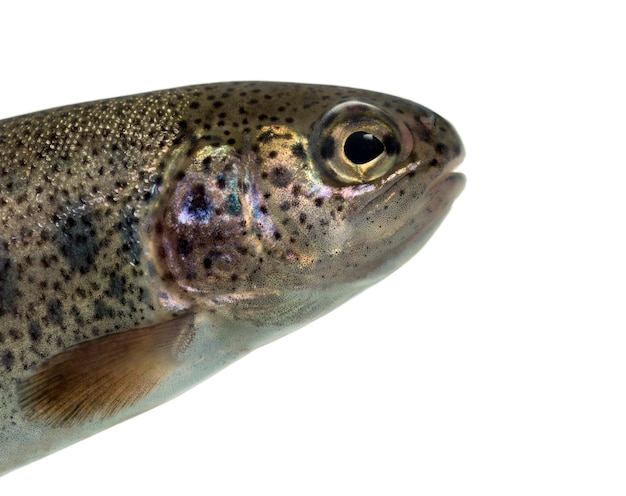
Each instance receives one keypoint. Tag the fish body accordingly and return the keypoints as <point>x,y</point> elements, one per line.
<point>148,241</point>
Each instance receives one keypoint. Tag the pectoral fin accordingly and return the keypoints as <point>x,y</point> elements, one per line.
<point>100,377</point>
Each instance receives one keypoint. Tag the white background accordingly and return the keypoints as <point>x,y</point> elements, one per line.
<point>493,363</point>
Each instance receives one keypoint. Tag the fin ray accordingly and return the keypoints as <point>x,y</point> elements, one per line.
<point>100,377</point>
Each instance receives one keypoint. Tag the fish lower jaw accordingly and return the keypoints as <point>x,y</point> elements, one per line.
<point>415,230</point>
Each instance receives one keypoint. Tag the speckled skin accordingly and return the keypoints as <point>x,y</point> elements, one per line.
<point>220,216</point>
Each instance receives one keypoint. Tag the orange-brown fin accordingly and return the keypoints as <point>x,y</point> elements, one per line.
<point>100,377</point>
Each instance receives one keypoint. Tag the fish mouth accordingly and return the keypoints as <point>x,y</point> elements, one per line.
<point>416,224</point>
<point>435,204</point>
<point>447,189</point>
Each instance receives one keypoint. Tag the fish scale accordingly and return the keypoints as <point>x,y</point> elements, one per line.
<point>148,241</point>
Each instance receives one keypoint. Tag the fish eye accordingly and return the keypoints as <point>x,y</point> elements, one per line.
<point>362,147</point>
<point>355,143</point>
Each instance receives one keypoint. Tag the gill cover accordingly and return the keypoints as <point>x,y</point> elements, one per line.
<point>201,229</point>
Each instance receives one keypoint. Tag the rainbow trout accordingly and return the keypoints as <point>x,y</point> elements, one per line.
<point>148,241</point>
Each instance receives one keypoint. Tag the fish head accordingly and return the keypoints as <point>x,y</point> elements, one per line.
<point>319,193</point>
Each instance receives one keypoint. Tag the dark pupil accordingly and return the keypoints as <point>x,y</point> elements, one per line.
<point>361,147</point>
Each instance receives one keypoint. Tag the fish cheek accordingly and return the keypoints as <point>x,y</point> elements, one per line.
<point>201,234</point>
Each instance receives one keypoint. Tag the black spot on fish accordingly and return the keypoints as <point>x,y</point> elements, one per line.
<point>8,283</point>
<point>266,136</point>
<point>127,227</point>
<point>7,359</point>
<point>101,310</point>
<point>78,318</point>
<point>197,206</point>
<point>117,287</point>
<point>424,135</point>
<point>184,247</point>
<point>15,334</point>
<point>77,241</point>
<point>34,330</point>
<point>281,177</point>
<point>441,149</point>
<point>298,151</point>
<point>54,311</point>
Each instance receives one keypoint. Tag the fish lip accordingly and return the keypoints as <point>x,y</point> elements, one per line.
<point>448,173</point>
<point>442,194</point>
<point>455,182</point>
<point>450,184</point>
<point>439,196</point>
